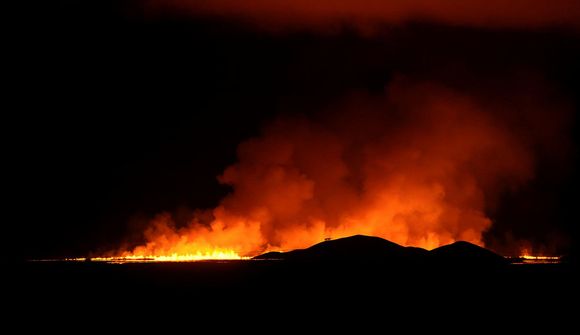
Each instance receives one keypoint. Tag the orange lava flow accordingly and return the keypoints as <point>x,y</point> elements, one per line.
<point>541,258</point>
<point>174,258</point>
<point>526,258</point>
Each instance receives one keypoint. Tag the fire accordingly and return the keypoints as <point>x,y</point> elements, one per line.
<point>529,259</point>
<point>198,256</point>
<point>194,257</point>
<point>540,258</point>
<point>418,172</point>
<point>526,257</point>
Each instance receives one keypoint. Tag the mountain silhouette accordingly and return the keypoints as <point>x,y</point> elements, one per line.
<point>274,255</point>
<point>462,252</point>
<point>370,248</point>
<point>357,247</point>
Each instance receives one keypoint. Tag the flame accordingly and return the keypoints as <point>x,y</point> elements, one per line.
<point>540,258</point>
<point>194,257</point>
<point>532,259</point>
<point>526,257</point>
<point>197,256</point>
<point>418,172</point>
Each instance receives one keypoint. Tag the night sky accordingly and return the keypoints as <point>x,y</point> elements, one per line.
<point>119,110</point>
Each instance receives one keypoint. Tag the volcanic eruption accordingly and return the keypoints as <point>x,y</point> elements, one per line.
<point>419,165</point>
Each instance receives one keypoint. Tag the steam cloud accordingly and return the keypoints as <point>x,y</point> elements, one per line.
<point>419,165</point>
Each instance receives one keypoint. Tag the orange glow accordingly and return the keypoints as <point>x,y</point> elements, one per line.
<point>174,258</point>
<point>422,178</point>
<point>527,258</point>
<point>198,256</point>
<point>540,258</point>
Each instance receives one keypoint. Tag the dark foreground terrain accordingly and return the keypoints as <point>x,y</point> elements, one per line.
<point>293,295</point>
<point>292,291</point>
<point>385,283</point>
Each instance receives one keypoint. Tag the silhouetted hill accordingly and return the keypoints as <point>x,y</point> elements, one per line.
<point>370,248</point>
<point>271,255</point>
<point>462,252</point>
<point>358,247</point>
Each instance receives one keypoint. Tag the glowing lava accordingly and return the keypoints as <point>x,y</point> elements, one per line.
<point>417,172</point>
<point>529,259</point>
<point>526,257</point>
<point>194,257</point>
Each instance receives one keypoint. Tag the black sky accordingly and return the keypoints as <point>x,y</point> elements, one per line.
<point>115,116</point>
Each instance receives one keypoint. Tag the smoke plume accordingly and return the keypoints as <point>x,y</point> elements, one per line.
<point>420,166</point>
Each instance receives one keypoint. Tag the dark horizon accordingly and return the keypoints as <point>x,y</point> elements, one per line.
<point>122,113</point>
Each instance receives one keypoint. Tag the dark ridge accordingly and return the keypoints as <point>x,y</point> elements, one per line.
<point>273,255</point>
<point>362,248</point>
<point>354,248</point>
<point>462,252</point>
